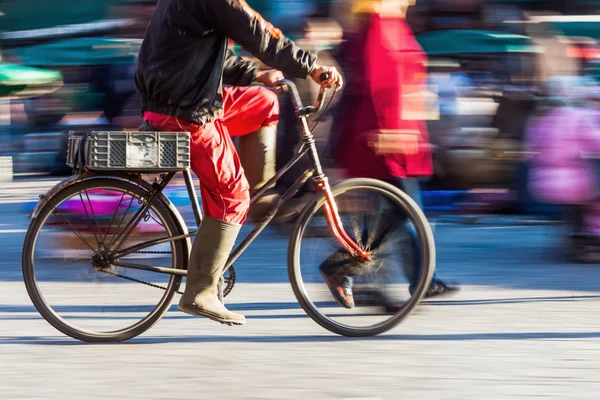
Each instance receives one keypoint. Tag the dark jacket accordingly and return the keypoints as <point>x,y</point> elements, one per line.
<point>184,60</point>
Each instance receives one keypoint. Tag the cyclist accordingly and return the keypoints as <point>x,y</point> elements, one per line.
<point>182,66</point>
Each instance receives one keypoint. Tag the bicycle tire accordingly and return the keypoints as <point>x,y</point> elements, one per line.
<point>179,251</point>
<point>427,246</point>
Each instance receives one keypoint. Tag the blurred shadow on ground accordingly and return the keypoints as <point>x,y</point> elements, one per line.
<point>278,306</point>
<point>26,312</point>
<point>149,340</point>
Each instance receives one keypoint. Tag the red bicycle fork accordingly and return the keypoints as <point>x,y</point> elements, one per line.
<point>335,223</point>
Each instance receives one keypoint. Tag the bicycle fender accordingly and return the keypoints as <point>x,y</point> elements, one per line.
<point>86,177</point>
<point>72,180</point>
<point>44,198</point>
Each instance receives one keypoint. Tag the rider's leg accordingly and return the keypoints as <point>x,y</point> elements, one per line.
<point>225,201</point>
<point>212,246</point>
<point>252,115</point>
<point>256,129</point>
<point>249,108</point>
<point>257,155</point>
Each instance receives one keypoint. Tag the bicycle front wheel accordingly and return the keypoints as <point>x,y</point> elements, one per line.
<point>65,269</point>
<point>388,224</point>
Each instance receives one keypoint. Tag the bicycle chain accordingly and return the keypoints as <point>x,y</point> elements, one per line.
<point>152,252</point>
<point>229,283</point>
<point>226,290</point>
<point>138,281</point>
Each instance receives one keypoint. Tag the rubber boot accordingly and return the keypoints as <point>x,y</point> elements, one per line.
<point>210,251</point>
<point>257,152</point>
<point>257,155</point>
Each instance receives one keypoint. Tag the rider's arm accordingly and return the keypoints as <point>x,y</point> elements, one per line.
<point>236,20</point>
<point>237,71</point>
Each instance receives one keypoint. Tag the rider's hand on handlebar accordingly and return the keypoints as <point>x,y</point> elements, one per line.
<point>334,77</point>
<point>268,77</point>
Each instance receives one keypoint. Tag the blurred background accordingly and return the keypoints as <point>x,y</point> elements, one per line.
<point>496,71</point>
<point>512,106</point>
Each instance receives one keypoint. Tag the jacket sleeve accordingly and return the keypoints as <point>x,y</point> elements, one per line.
<point>236,20</point>
<point>237,71</point>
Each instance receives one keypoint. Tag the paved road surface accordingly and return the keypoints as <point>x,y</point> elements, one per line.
<point>526,325</point>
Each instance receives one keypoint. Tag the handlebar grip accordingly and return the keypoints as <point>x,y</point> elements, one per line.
<point>324,76</point>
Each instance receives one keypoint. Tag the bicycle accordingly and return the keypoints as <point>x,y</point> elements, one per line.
<point>107,249</point>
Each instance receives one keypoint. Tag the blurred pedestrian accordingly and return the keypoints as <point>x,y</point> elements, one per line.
<point>380,126</point>
<point>563,150</point>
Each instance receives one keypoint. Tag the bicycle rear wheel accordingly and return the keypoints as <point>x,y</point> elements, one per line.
<point>382,220</point>
<point>70,284</point>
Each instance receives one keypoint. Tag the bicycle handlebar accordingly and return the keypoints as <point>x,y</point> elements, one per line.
<point>285,86</point>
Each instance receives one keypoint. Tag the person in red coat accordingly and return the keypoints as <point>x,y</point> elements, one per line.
<point>380,129</point>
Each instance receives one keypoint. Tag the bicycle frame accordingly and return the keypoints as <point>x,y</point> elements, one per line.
<point>315,171</point>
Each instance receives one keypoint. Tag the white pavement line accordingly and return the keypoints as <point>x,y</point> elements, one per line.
<point>17,201</point>
<point>499,227</point>
<point>12,231</point>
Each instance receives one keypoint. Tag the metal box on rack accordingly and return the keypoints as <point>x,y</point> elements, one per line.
<point>131,151</point>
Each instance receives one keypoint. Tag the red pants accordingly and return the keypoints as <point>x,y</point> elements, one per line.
<point>223,186</point>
